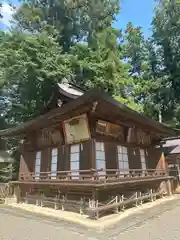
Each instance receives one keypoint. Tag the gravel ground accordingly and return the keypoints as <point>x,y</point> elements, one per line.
<point>158,223</point>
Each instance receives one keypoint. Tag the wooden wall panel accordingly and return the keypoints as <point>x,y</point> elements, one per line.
<point>31,161</point>
<point>153,157</point>
<point>61,159</point>
<point>92,156</point>
<point>66,157</point>
<point>23,165</point>
<point>27,162</point>
<point>134,158</point>
<point>111,155</point>
<point>46,160</point>
<point>86,155</point>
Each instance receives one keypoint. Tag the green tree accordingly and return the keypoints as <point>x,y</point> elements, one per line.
<point>98,64</point>
<point>72,39</point>
<point>135,49</point>
<point>166,38</point>
<point>144,57</point>
<point>30,67</point>
<point>84,30</point>
<point>74,20</point>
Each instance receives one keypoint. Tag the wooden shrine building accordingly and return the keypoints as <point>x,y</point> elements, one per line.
<point>171,148</point>
<point>89,145</point>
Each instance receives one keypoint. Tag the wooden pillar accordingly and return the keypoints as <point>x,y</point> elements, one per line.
<point>94,194</point>
<point>93,154</point>
<point>97,194</point>
<point>110,149</point>
<point>45,160</point>
<point>86,155</point>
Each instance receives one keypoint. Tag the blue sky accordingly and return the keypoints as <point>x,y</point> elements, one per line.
<point>139,12</point>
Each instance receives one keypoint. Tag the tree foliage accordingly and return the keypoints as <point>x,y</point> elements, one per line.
<point>30,67</point>
<point>74,20</point>
<point>50,40</point>
<point>98,64</point>
<point>166,36</point>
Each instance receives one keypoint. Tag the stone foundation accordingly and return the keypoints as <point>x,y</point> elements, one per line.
<point>11,200</point>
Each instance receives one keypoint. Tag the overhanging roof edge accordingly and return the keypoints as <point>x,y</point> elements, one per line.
<point>93,95</point>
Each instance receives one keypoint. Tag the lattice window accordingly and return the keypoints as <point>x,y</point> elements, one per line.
<point>123,159</point>
<point>54,160</point>
<point>74,159</point>
<point>143,159</point>
<point>37,165</point>
<point>100,157</point>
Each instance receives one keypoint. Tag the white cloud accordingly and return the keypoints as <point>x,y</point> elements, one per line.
<point>6,12</point>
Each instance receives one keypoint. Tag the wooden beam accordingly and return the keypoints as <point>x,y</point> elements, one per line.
<point>76,112</point>
<point>107,112</point>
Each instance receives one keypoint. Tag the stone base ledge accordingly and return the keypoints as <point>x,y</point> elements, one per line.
<point>84,220</point>
<point>10,200</point>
